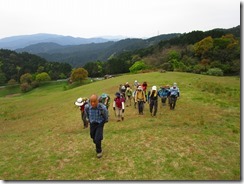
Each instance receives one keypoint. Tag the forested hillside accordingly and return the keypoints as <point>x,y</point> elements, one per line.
<point>215,52</point>
<point>13,65</point>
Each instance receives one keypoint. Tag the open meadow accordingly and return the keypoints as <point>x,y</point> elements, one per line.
<point>42,136</point>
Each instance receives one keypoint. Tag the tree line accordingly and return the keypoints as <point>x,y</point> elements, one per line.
<point>13,65</point>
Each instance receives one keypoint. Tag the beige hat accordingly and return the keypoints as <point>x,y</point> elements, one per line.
<point>79,102</point>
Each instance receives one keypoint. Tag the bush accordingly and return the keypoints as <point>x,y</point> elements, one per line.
<point>41,77</point>
<point>215,72</point>
<point>137,66</point>
<point>25,87</point>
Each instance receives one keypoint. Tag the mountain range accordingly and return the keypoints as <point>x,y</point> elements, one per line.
<point>78,55</point>
<point>17,42</point>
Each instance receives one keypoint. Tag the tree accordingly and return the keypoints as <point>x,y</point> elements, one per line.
<point>137,66</point>
<point>41,77</point>
<point>2,78</point>
<point>79,74</point>
<point>202,47</point>
<point>26,78</point>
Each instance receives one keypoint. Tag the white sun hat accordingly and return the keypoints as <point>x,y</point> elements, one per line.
<point>154,88</point>
<point>79,102</point>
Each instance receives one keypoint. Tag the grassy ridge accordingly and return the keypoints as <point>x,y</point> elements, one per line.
<point>41,134</point>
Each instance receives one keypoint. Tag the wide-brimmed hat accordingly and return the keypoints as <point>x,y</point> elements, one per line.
<point>154,88</point>
<point>79,102</point>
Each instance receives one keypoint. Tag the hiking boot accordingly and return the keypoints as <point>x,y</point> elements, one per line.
<point>122,118</point>
<point>118,120</point>
<point>99,155</point>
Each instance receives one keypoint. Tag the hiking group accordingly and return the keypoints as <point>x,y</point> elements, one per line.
<point>94,111</point>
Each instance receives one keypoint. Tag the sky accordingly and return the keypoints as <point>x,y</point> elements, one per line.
<point>129,18</point>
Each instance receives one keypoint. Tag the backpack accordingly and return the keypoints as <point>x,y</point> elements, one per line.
<point>102,99</point>
<point>118,102</point>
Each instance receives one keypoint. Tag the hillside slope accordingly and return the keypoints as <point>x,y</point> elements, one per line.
<point>41,134</point>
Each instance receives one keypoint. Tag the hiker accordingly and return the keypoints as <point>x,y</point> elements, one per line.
<point>81,102</point>
<point>128,94</point>
<point>119,106</point>
<point>144,88</point>
<point>163,93</point>
<point>127,85</point>
<point>105,99</point>
<point>174,93</point>
<point>97,114</point>
<point>168,89</point>
<point>140,99</point>
<point>153,100</point>
<point>122,91</point>
<point>136,84</point>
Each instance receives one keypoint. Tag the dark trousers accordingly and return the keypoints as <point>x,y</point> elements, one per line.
<point>153,106</point>
<point>83,117</point>
<point>96,133</point>
<point>140,106</point>
<point>163,99</point>
<point>172,102</point>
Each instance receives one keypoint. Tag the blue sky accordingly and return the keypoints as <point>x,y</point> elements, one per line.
<point>130,18</point>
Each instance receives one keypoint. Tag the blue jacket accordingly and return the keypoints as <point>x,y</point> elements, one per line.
<point>163,92</point>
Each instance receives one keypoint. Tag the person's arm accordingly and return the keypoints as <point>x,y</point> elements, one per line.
<point>123,107</point>
<point>114,105</point>
<point>136,96</point>
<point>86,110</point>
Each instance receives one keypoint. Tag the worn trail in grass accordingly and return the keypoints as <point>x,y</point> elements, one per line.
<point>41,134</point>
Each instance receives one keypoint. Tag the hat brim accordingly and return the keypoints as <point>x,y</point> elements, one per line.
<point>79,103</point>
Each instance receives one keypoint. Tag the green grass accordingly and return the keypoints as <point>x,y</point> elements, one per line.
<point>41,133</point>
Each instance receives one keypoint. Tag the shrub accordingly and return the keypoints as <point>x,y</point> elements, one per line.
<point>26,78</point>
<point>215,72</point>
<point>25,87</point>
<point>41,77</point>
<point>137,66</point>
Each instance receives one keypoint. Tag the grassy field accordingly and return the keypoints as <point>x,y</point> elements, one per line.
<point>42,137</point>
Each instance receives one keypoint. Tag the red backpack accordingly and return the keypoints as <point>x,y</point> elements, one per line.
<point>118,102</point>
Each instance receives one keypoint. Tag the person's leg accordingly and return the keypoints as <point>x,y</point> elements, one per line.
<point>117,111</point>
<point>142,107</point>
<point>175,99</point>
<point>155,107</point>
<point>151,106</point>
<point>99,137</point>
<point>139,106</point>
<point>122,114</point>
<point>83,117</point>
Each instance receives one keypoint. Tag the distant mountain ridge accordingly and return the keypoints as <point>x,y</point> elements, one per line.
<point>78,55</point>
<point>17,42</point>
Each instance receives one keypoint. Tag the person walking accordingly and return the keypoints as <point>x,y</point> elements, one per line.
<point>174,93</point>
<point>105,99</point>
<point>140,99</point>
<point>81,102</point>
<point>97,114</point>
<point>128,94</point>
<point>163,93</point>
<point>119,106</point>
<point>153,101</point>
